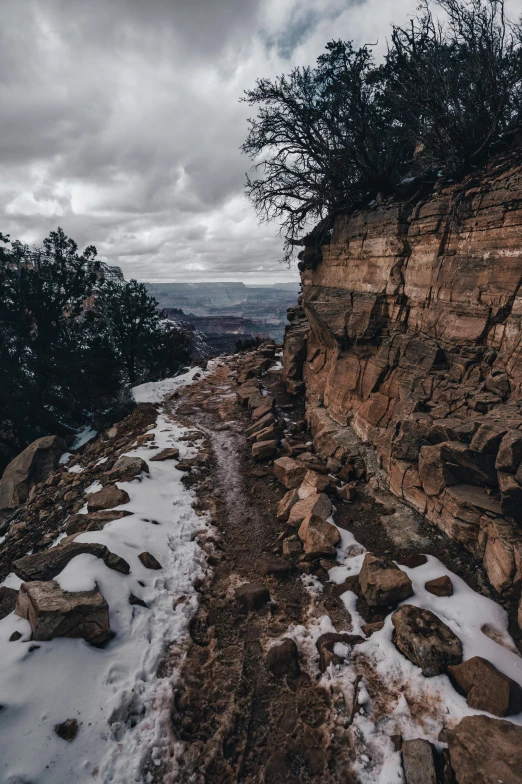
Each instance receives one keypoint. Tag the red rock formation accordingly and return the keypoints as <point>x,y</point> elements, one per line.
<point>410,332</point>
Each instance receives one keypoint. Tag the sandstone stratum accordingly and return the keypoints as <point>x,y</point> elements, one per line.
<point>409,333</point>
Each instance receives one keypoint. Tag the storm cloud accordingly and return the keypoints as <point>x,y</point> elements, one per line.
<point>121,122</point>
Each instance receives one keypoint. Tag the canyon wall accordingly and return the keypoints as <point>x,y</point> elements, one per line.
<point>409,330</point>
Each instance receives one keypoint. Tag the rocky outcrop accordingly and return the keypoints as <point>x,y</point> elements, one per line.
<point>29,468</point>
<point>409,333</point>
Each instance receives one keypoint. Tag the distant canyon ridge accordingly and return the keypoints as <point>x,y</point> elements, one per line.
<point>217,315</point>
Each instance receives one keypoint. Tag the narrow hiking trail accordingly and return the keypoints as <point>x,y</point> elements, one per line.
<point>242,711</point>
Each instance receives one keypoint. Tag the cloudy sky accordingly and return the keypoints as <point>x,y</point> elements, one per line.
<point>120,122</point>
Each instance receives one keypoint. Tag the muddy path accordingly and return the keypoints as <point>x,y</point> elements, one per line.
<point>237,721</point>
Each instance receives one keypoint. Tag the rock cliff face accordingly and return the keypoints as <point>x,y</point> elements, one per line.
<point>410,332</point>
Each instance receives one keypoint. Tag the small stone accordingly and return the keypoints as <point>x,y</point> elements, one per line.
<point>171,453</point>
<point>283,659</point>
<point>418,759</point>
<point>313,483</point>
<point>107,498</point>
<point>441,586</point>
<point>347,492</point>
<point>382,583</point>
<point>252,596</point>
<point>67,730</point>
<point>148,561</point>
<point>425,640</point>
<point>370,628</point>
<point>135,600</point>
<point>286,503</point>
<point>413,560</point>
<point>486,688</point>
<point>273,564</point>
<point>292,547</point>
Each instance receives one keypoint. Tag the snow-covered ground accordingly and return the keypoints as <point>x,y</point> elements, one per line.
<point>122,707</point>
<point>408,704</point>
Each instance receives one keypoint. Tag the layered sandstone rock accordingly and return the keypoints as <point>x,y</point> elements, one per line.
<point>409,332</point>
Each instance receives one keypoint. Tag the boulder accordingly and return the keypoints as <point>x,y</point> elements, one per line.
<point>30,467</point>
<point>318,537</point>
<point>418,759</point>
<point>383,583</point>
<point>486,688</point>
<point>53,612</point>
<point>509,455</point>
<point>425,640</point>
<point>283,659</point>
<point>148,561</point>
<point>263,450</point>
<point>487,439</point>
<point>107,498</point>
<point>484,750</point>
<point>289,472</point>
<point>170,453</point>
<point>8,597</point>
<point>440,586</point>
<point>252,596</point>
<point>318,505</point>
<point>125,469</point>
<point>286,503</point>
<point>49,563</point>
<point>78,523</point>
<point>325,645</point>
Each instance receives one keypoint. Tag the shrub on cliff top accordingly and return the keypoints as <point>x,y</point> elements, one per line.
<point>328,139</point>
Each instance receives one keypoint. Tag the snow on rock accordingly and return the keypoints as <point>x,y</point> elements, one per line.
<point>121,705</point>
<point>406,703</point>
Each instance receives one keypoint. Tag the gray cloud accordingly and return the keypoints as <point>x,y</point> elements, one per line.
<point>121,122</point>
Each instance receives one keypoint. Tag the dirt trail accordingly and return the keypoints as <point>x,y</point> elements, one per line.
<point>239,722</point>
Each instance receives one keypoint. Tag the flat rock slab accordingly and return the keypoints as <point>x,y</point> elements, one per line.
<point>383,583</point>
<point>53,612</point>
<point>264,408</point>
<point>8,597</point>
<point>49,563</point>
<point>78,523</point>
<point>425,640</point>
<point>283,659</point>
<point>252,596</point>
<point>486,688</point>
<point>418,760</point>
<point>289,472</point>
<point>441,586</point>
<point>319,538</point>
<point>107,498</point>
<point>486,751</point>
<point>171,453</point>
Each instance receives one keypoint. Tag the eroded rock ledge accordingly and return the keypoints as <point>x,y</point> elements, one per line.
<point>409,331</point>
